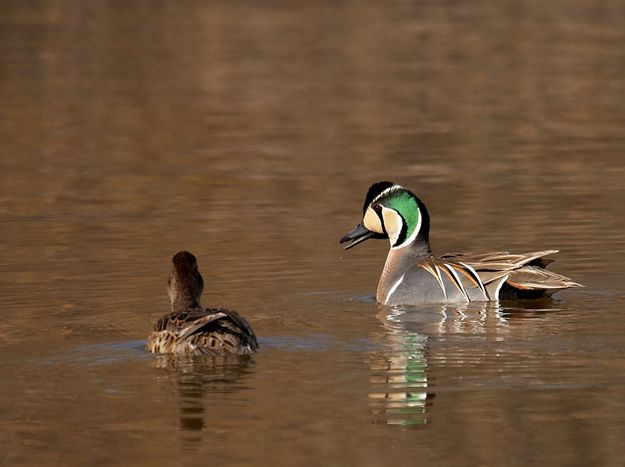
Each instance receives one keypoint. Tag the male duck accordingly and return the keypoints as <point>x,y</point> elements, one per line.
<point>413,276</point>
<point>192,330</point>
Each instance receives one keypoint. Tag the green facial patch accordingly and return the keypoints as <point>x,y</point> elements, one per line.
<point>406,205</point>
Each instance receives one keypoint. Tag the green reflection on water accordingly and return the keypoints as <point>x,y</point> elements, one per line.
<point>398,379</point>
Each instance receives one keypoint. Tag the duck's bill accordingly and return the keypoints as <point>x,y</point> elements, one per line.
<point>357,235</point>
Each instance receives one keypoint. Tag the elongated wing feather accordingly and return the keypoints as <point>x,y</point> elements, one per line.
<point>241,322</point>
<point>530,277</point>
<point>524,271</point>
<point>197,324</point>
<point>497,261</point>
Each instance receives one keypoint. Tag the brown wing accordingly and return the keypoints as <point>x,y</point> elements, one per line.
<point>182,321</point>
<point>229,334</point>
<point>500,260</point>
<point>214,331</point>
<point>522,272</point>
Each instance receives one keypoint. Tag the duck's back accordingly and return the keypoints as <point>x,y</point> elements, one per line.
<point>509,276</point>
<point>213,331</point>
<point>456,278</point>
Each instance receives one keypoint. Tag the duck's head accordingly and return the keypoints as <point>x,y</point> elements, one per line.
<point>391,211</point>
<point>185,283</point>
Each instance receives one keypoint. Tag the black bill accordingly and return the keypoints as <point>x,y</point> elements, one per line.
<point>358,234</point>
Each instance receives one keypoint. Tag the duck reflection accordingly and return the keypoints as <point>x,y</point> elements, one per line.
<point>401,391</point>
<point>399,385</point>
<point>194,378</point>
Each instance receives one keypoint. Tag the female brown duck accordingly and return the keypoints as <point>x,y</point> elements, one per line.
<point>192,330</point>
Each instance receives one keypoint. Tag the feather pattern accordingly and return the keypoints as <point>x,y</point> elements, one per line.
<point>212,331</point>
<point>524,271</point>
<point>192,330</point>
<point>412,275</point>
<point>488,276</point>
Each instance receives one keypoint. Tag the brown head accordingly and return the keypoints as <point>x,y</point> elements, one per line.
<point>185,283</point>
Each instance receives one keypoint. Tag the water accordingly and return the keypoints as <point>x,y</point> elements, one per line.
<point>248,135</point>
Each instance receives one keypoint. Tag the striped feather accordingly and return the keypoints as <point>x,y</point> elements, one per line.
<point>456,280</point>
<point>436,273</point>
<point>213,331</point>
<point>490,272</point>
<point>522,272</point>
<point>475,277</point>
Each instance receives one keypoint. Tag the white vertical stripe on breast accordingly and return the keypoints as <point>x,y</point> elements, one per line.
<point>393,288</point>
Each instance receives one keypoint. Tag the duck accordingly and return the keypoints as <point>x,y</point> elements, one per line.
<point>412,275</point>
<point>190,329</point>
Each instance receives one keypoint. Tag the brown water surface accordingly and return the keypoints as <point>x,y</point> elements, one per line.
<point>247,133</point>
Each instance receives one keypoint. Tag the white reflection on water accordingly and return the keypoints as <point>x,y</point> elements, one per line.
<point>398,379</point>
<point>400,393</point>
